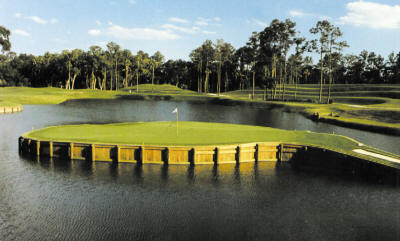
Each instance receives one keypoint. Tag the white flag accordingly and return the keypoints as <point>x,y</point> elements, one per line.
<point>176,110</point>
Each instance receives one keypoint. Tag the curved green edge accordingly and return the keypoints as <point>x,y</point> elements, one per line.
<point>185,134</point>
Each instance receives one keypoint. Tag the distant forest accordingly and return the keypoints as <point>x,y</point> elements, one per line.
<point>270,59</point>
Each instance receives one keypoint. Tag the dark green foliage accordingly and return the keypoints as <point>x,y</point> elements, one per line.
<point>272,58</point>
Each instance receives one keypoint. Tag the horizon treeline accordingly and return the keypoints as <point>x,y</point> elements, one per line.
<point>271,59</point>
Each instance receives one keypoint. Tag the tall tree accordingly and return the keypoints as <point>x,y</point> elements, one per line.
<point>223,52</point>
<point>94,53</point>
<point>204,56</point>
<point>297,61</point>
<point>335,48</point>
<point>155,61</point>
<point>252,56</point>
<point>4,39</point>
<point>320,45</point>
<point>127,59</point>
<point>196,58</point>
<point>114,51</point>
<point>286,38</point>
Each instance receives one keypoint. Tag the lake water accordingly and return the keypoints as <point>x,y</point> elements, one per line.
<point>78,200</point>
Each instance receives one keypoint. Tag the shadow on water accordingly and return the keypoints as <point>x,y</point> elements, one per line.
<point>354,169</point>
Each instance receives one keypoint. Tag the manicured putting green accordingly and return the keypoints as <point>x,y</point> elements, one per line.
<point>189,134</point>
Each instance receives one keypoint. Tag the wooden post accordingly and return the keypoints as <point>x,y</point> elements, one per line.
<point>51,149</point>
<point>256,155</point>
<point>71,151</point>
<point>37,148</point>
<point>237,155</point>
<point>216,155</point>
<point>93,152</point>
<point>141,154</point>
<point>20,141</point>
<point>118,153</point>
<point>193,156</point>
<point>280,152</point>
<point>166,157</point>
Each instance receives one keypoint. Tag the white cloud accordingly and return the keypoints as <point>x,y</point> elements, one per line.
<point>201,22</point>
<point>94,32</point>
<point>36,19</point>
<point>178,20</point>
<point>140,33</point>
<point>257,22</point>
<point>20,32</point>
<point>98,23</point>
<point>296,13</point>
<point>208,21</point>
<point>181,29</point>
<point>373,15</point>
<point>132,1</point>
<point>207,32</point>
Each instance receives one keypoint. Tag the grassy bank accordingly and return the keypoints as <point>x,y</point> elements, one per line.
<point>189,134</point>
<point>37,96</point>
<point>368,107</point>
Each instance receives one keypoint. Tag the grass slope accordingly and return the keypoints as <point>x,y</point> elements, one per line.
<point>35,96</point>
<point>370,106</point>
<point>189,134</point>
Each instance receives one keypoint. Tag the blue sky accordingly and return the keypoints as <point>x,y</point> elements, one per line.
<point>175,27</point>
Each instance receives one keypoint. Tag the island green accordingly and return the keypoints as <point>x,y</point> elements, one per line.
<point>185,134</point>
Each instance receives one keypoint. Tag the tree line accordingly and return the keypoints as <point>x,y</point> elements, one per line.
<point>271,59</point>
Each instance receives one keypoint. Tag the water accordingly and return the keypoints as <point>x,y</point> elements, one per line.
<point>63,200</point>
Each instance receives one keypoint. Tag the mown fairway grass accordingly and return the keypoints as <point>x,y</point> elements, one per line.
<point>36,96</point>
<point>189,134</point>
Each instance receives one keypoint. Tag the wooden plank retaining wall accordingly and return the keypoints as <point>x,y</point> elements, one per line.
<point>251,152</point>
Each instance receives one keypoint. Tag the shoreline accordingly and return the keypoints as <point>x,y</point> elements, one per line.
<point>303,108</point>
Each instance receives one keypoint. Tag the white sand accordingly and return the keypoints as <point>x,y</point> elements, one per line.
<point>358,106</point>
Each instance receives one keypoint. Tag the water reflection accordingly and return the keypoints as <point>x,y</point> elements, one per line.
<point>215,174</point>
<point>190,174</point>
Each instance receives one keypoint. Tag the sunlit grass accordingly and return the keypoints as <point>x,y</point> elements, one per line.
<point>25,95</point>
<point>189,134</point>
